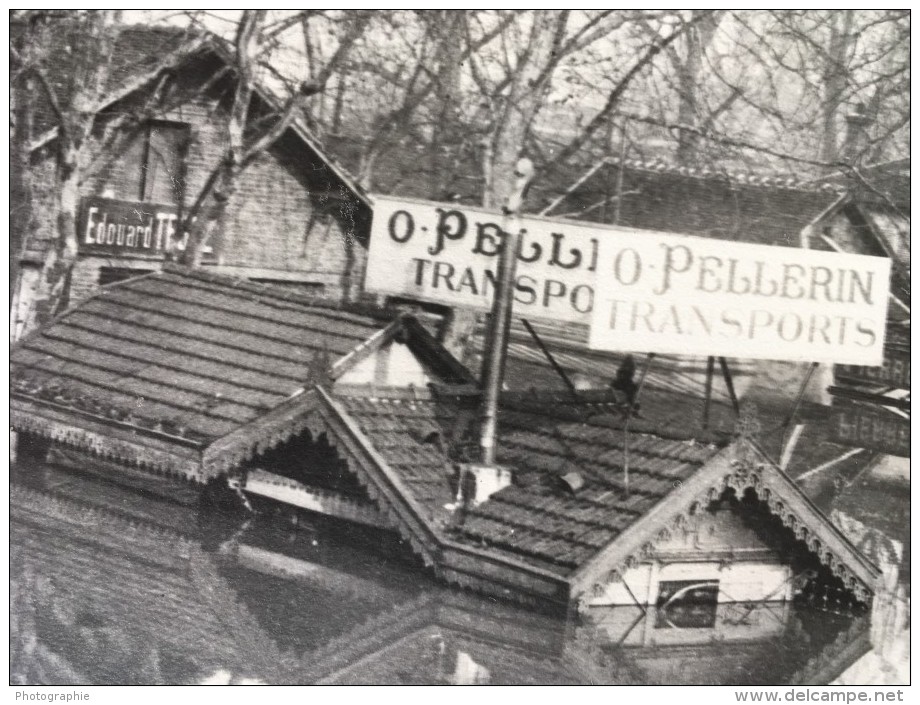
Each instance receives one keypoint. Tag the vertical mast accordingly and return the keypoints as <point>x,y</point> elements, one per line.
<point>496,348</point>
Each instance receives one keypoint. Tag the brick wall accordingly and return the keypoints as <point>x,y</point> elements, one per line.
<point>286,222</point>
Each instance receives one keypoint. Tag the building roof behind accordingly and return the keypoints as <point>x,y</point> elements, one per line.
<point>185,352</point>
<point>655,196</point>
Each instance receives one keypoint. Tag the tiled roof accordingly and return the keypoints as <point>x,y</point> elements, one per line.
<point>185,353</point>
<point>541,437</point>
<point>655,196</point>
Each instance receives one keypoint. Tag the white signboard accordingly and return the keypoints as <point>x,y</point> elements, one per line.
<point>641,291</point>
<point>448,254</point>
<point>697,296</point>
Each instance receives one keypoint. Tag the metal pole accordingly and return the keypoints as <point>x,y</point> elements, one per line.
<point>501,309</point>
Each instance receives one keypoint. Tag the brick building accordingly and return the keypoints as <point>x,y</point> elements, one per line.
<point>294,220</point>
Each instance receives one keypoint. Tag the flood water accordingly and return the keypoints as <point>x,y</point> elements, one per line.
<point>111,585</point>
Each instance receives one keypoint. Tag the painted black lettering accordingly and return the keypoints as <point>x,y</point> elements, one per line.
<point>821,277</point>
<point>557,250</point>
<point>627,265</point>
<point>445,271</point>
<point>645,316</point>
<point>552,289</point>
<point>582,298</point>
<point>671,265</point>
<point>489,239</point>
<point>451,226</point>
<point>401,226</point>
<point>525,290</point>
<point>420,265</point>
<point>865,288</point>
<point>535,249</point>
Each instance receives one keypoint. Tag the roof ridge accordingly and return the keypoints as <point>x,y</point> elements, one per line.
<point>272,291</point>
<point>776,181</point>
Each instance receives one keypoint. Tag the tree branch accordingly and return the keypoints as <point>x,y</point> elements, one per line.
<point>600,119</point>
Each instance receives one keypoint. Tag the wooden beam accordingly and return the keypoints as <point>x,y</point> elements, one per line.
<point>710,365</point>
<point>729,384</point>
<point>549,356</point>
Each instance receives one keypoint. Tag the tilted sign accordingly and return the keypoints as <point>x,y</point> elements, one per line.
<point>448,254</point>
<point>876,430</point>
<point>125,228</point>
<point>689,295</point>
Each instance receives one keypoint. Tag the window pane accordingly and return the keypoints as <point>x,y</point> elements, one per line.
<point>165,154</point>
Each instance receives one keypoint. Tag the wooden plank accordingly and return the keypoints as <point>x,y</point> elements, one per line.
<point>867,428</point>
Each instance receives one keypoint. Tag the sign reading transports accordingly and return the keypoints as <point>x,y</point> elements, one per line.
<point>876,430</point>
<point>642,291</point>
<point>125,228</point>
<point>696,296</point>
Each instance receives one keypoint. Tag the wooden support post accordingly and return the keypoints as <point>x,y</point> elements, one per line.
<point>549,356</point>
<point>729,384</point>
<point>710,366</point>
<point>801,395</point>
<point>795,409</point>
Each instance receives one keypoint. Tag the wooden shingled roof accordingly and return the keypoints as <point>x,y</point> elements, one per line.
<point>538,540</point>
<point>542,436</point>
<point>183,371</point>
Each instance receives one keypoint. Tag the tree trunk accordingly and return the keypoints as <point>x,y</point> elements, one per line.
<point>522,100</point>
<point>447,24</point>
<point>90,65</point>
<point>835,79</point>
<point>22,211</point>
<point>689,71</point>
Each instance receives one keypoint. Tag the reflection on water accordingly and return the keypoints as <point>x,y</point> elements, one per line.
<point>113,586</point>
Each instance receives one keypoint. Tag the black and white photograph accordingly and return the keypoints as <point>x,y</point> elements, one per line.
<point>417,347</point>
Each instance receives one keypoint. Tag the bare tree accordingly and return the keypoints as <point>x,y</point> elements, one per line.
<point>244,145</point>
<point>75,98</point>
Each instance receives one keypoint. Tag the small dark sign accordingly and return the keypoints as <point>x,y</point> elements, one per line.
<point>125,228</point>
<point>894,372</point>
<point>866,428</point>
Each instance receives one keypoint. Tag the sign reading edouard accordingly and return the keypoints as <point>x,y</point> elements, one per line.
<point>124,228</point>
<point>642,291</point>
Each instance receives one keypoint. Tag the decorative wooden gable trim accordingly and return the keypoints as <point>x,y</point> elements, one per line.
<point>172,456</point>
<point>386,490</point>
<point>741,466</point>
<point>850,645</point>
<point>264,433</point>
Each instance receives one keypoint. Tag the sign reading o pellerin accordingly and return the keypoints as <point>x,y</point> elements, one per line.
<point>641,291</point>
<point>690,295</point>
<point>448,254</point>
